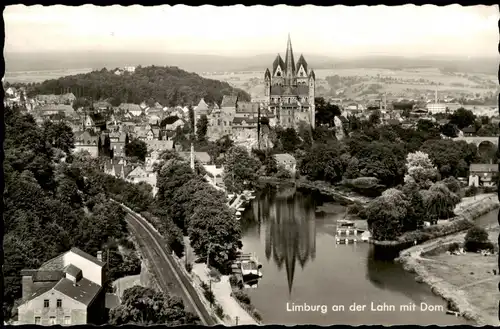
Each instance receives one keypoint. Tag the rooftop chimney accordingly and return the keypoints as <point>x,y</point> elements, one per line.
<point>99,256</point>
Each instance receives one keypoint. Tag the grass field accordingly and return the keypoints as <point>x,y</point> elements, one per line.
<point>240,80</point>
<point>472,274</point>
<point>40,76</point>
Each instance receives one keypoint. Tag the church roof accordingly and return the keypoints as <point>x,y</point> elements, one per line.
<point>289,61</point>
<point>267,74</point>
<point>302,62</point>
<point>312,75</point>
<point>278,62</point>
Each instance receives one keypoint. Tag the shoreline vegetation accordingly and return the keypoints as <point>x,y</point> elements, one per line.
<point>466,212</point>
<point>414,261</point>
<point>319,186</point>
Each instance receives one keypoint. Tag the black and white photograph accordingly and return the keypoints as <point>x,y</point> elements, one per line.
<point>251,165</point>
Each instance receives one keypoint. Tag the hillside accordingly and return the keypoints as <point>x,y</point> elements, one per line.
<point>211,63</point>
<point>169,86</point>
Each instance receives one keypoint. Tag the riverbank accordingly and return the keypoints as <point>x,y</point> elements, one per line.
<point>321,187</point>
<point>234,313</point>
<point>466,212</point>
<point>466,281</point>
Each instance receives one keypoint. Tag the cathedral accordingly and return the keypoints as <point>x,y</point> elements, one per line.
<point>289,89</point>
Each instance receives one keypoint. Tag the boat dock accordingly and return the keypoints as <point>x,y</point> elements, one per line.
<point>240,201</point>
<point>349,233</point>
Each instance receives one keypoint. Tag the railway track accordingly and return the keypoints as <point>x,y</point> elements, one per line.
<point>169,277</point>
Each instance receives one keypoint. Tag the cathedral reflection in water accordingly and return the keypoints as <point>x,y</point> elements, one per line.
<point>290,229</point>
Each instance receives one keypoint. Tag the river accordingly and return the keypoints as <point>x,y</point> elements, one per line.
<point>302,264</point>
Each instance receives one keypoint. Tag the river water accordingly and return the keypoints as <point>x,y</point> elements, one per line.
<point>302,264</point>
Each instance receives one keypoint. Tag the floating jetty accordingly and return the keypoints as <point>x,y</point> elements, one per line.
<point>240,201</point>
<point>348,233</point>
<point>247,269</point>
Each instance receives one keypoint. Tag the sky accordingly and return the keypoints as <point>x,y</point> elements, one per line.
<point>246,31</point>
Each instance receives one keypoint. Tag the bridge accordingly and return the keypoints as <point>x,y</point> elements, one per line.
<point>478,140</point>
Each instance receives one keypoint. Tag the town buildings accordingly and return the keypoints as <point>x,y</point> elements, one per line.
<point>290,88</point>
<point>66,290</point>
<point>483,174</point>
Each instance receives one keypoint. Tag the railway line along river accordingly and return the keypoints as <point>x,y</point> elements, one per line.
<point>308,279</point>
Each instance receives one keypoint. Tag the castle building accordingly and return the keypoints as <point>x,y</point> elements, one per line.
<point>290,90</point>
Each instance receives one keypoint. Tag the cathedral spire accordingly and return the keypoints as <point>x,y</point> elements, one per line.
<point>289,61</point>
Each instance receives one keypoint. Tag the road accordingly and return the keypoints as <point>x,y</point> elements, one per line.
<point>168,276</point>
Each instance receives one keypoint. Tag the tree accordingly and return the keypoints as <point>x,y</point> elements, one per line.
<point>136,148</point>
<point>240,170</point>
<point>201,127</point>
<point>59,135</point>
<point>420,169</point>
<point>449,130</point>
<point>352,170</point>
<point>384,161</point>
<point>144,306</point>
<point>289,140</point>
<point>386,213</point>
<point>477,239</point>
<point>452,184</point>
<point>325,112</point>
<point>439,202</point>
<point>323,163</point>
<point>222,243</point>
<point>191,119</point>
<point>127,140</point>
<point>415,215</point>
<point>450,157</point>
<point>462,118</point>
<point>374,118</point>
<point>271,165</point>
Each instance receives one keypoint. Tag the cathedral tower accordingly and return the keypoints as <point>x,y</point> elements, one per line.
<point>290,90</point>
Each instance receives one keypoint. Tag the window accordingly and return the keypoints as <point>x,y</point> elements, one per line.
<point>67,320</point>
<point>45,303</point>
<point>38,320</point>
<point>52,320</point>
<point>59,303</point>
<point>278,74</point>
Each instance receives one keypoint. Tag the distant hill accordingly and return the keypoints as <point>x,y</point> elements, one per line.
<point>167,85</point>
<point>212,63</point>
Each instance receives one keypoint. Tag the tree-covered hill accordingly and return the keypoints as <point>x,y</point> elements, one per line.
<point>170,86</point>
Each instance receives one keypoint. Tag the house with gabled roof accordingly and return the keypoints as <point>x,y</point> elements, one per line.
<point>65,290</point>
<point>87,140</point>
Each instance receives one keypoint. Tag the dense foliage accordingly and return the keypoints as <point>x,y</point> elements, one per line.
<point>477,239</point>
<point>136,148</point>
<point>52,206</point>
<point>198,211</point>
<point>144,307</point>
<point>170,86</point>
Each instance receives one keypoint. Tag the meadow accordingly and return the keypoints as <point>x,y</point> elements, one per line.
<point>40,76</point>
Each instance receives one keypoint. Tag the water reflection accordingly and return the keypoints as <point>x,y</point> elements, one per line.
<point>290,230</point>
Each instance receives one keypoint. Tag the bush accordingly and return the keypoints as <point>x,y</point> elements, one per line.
<point>490,189</point>
<point>209,295</point>
<point>454,247</point>
<point>452,184</point>
<point>477,239</point>
<point>355,208</point>
<point>219,311</point>
<point>242,297</point>
<point>367,186</point>
<point>257,315</point>
<point>233,280</point>
<point>471,191</point>
<point>189,267</point>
